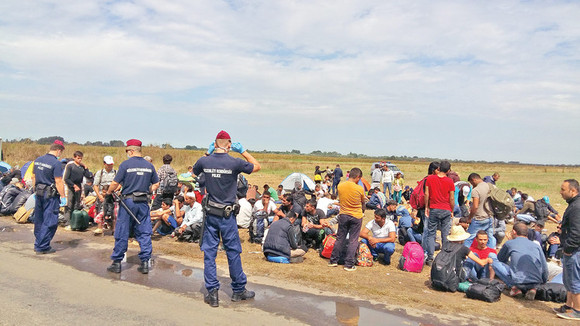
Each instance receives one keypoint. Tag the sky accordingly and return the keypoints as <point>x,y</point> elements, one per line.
<point>471,80</point>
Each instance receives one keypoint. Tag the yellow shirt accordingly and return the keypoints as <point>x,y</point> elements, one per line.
<point>351,197</point>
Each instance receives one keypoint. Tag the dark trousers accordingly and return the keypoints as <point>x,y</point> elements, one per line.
<point>45,221</point>
<point>126,224</point>
<point>346,225</point>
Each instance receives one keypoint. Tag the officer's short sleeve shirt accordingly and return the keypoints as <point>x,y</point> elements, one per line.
<point>46,168</point>
<point>136,175</point>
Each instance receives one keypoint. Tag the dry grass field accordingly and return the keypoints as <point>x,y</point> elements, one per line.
<point>381,283</point>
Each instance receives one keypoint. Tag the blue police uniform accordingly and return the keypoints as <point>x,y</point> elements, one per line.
<point>136,175</point>
<point>46,168</point>
<point>221,174</point>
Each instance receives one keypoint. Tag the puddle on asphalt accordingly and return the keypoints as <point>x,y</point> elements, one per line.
<point>176,277</point>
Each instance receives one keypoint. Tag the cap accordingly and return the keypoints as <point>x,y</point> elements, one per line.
<point>546,199</point>
<point>190,194</point>
<point>134,142</point>
<point>223,135</point>
<point>108,159</point>
<point>14,181</point>
<point>58,142</point>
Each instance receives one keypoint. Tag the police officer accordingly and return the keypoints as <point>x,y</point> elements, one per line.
<point>49,187</point>
<point>136,175</point>
<point>221,174</point>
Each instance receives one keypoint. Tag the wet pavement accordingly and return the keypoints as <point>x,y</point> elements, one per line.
<point>78,252</point>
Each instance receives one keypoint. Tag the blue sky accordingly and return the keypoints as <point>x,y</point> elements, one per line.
<point>487,80</point>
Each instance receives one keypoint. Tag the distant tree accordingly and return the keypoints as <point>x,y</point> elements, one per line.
<point>295,151</point>
<point>49,140</point>
<point>193,147</point>
<point>117,143</point>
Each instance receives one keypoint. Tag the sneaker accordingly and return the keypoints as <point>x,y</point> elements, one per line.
<point>68,228</point>
<point>570,315</point>
<point>429,262</point>
<point>350,269</point>
<point>531,294</point>
<point>515,292</point>
<point>98,231</point>
<point>562,309</point>
<point>332,264</point>
<point>245,295</point>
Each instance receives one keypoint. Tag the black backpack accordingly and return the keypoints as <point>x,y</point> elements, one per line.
<point>541,209</point>
<point>258,224</point>
<point>242,189</point>
<point>169,186</point>
<point>445,275</point>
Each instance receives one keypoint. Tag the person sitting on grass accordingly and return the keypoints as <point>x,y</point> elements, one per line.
<point>288,206</point>
<point>190,228</point>
<point>554,244</point>
<point>374,201</point>
<point>521,264</point>
<point>380,235</point>
<point>313,231</point>
<point>282,243</point>
<point>163,218</point>
<point>479,247</point>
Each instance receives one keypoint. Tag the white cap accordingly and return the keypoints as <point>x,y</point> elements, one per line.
<point>190,194</point>
<point>108,159</point>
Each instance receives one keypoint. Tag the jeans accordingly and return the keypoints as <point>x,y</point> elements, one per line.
<point>397,196</point>
<point>499,231</point>
<point>475,271</point>
<point>526,218</point>
<point>334,186</point>
<point>387,185</point>
<point>414,236</point>
<point>346,225</point>
<point>477,225</point>
<point>438,219</point>
<point>552,249</point>
<point>571,266</point>
<point>502,271</point>
<point>385,248</point>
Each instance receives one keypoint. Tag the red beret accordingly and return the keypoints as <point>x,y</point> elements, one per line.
<point>58,142</point>
<point>134,142</point>
<point>223,135</point>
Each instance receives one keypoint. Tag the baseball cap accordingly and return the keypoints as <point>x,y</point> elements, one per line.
<point>223,135</point>
<point>108,159</point>
<point>134,142</point>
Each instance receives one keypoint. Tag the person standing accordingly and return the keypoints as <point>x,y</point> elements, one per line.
<point>492,178</point>
<point>376,176</point>
<point>570,243</point>
<point>166,173</point>
<point>137,176</point>
<point>221,175</point>
<point>49,186</point>
<point>73,179</point>
<point>481,214</point>
<point>352,200</point>
<point>337,175</point>
<point>387,180</point>
<point>439,202</point>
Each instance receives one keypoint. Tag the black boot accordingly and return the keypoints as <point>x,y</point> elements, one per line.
<point>211,298</point>
<point>244,295</point>
<point>115,267</point>
<point>144,268</point>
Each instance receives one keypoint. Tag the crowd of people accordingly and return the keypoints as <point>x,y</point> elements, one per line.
<point>210,202</point>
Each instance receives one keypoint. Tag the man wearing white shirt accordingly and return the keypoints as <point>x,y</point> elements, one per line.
<point>380,234</point>
<point>387,180</point>
<point>192,218</point>
<point>245,214</point>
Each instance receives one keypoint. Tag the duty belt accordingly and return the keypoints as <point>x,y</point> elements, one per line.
<point>217,209</point>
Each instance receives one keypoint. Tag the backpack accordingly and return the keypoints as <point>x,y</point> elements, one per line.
<point>327,246</point>
<point>445,275</point>
<point>541,209</point>
<point>169,186</point>
<point>501,202</point>
<point>417,200</point>
<point>257,225</point>
<point>554,292</point>
<point>413,258</point>
<point>242,186</point>
<point>363,255</point>
<point>487,293</point>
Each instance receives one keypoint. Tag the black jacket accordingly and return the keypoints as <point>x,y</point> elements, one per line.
<point>281,239</point>
<point>570,238</point>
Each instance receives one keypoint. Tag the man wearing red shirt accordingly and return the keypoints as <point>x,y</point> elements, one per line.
<point>479,247</point>
<point>439,202</point>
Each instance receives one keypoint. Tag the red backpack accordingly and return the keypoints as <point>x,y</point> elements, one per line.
<point>328,246</point>
<point>417,200</point>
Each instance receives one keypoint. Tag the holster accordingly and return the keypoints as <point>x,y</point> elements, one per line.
<point>220,210</point>
<point>47,191</point>
<point>138,197</point>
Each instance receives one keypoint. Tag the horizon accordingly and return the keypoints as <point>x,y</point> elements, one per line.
<point>488,81</point>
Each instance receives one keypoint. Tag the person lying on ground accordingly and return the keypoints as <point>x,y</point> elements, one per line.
<point>380,235</point>
<point>281,243</point>
<point>521,264</point>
